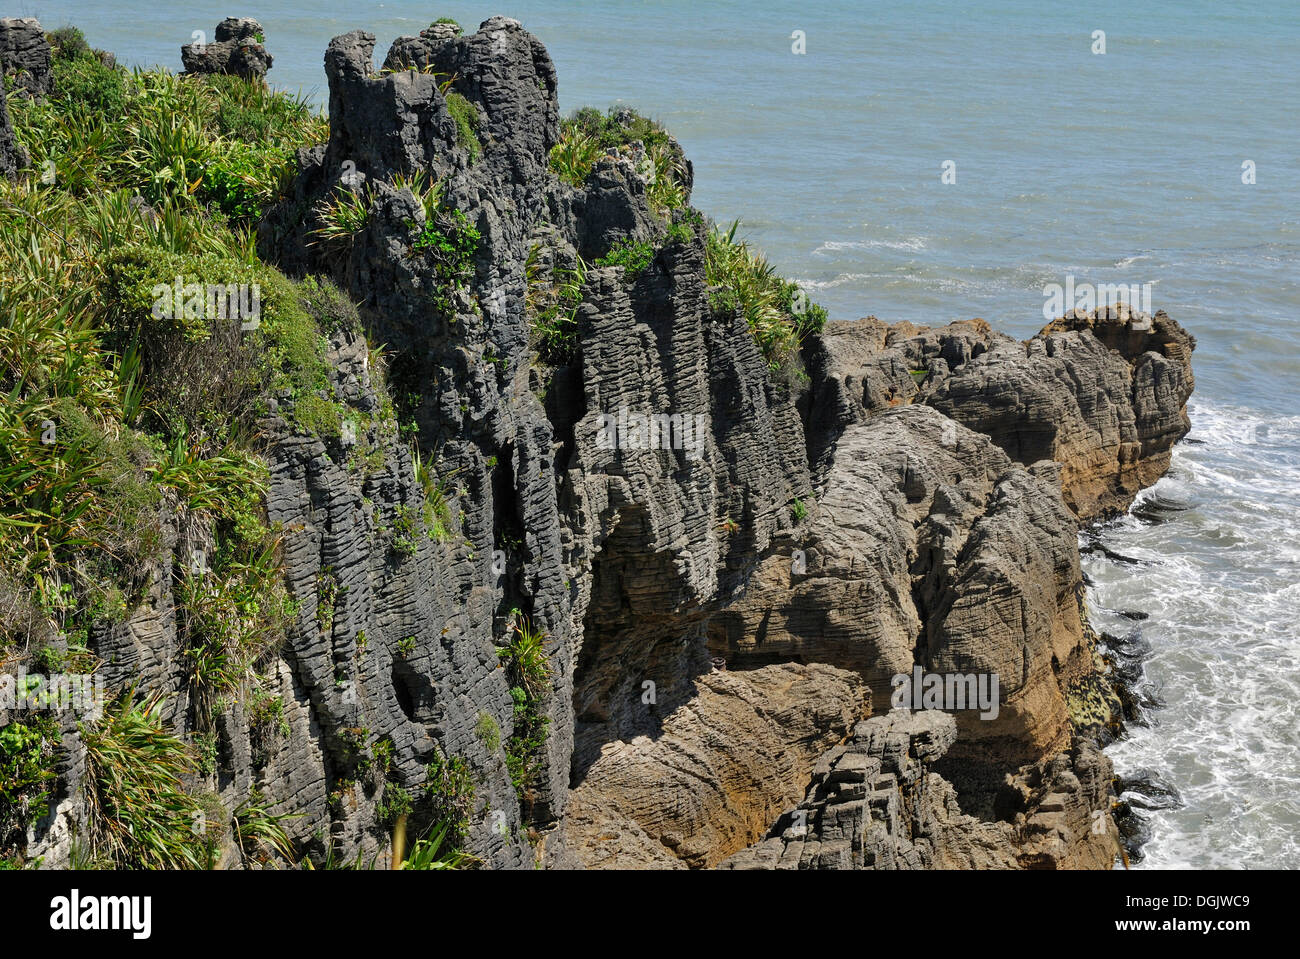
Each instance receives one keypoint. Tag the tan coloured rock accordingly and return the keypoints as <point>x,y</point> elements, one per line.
<point>722,768</point>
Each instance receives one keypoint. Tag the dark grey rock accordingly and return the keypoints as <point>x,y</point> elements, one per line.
<point>236,51</point>
<point>26,57</point>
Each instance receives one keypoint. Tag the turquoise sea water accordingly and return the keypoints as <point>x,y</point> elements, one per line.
<point>1123,167</point>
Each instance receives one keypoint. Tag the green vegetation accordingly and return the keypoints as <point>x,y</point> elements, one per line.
<point>634,256</point>
<point>447,801</point>
<point>587,135</point>
<point>465,115</point>
<point>233,608</point>
<point>488,732</point>
<point>259,831</point>
<point>405,531</point>
<point>575,155</point>
<point>449,242</point>
<point>437,511</point>
<point>116,397</point>
<point>395,802</point>
<point>553,307</point>
<point>28,750</point>
<point>266,723</point>
<point>141,817</point>
<point>528,670</point>
<point>342,216</point>
<point>798,510</point>
<point>140,342</point>
<point>67,43</point>
<point>742,283</point>
<point>214,140</point>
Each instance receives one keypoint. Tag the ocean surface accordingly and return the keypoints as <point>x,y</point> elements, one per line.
<point>1125,167</point>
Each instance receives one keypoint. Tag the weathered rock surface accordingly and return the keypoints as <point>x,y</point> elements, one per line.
<point>26,56</point>
<point>930,547</point>
<point>873,803</point>
<point>1105,395</point>
<point>708,777</point>
<point>943,474</point>
<point>238,50</point>
<point>12,155</point>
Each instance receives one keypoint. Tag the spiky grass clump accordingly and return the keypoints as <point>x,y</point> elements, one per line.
<point>552,300</point>
<point>260,832</point>
<point>778,314</point>
<point>141,816</point>
<point>575,155</point>
<point>587,135</point>
<point>528,670</point>
<point>342,216</point>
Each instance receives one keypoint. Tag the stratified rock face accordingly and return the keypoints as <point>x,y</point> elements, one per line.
<point>873,804</point>
<point>12,155</point>
<point>708,778</point>
<point>1104,394</point>
<point>930,547</point>
<point>26,56</point>
<point>237,50</point>
<point>618,553</point>
<point>718,612</point>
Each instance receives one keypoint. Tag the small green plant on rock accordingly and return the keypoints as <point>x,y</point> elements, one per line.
<point>634,256</point>
<point>465,115</point>
<point>28,750</point>
<point>449,242</point>
<point>488,732</point>
<point>528,670</point>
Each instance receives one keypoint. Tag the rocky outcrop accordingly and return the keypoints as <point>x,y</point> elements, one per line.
<point>721,610</point>
<point>26,56</point>
<point>617,553</point>
<point>930,547</point>
<point>874,804</point>
<point>1103,394</point>
<point>12,155</point>
<point>238,50</point>
<point>709,777</point>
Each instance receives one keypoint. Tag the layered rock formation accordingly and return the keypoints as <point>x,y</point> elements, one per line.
<point>26,56</point>
<point>719,616</point>
<point>12,155</point>
<point>1103,394</point>
<point>237,51</point>
<point>874,804</point>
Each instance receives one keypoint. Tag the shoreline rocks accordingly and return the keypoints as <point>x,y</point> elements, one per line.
<point>237,50</point>
<point>915,503</point>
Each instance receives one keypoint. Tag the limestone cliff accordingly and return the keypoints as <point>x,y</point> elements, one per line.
<point>722,620</point>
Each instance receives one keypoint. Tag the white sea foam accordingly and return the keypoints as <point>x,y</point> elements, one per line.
<point>1221,589</point>
<point>911,244</point>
